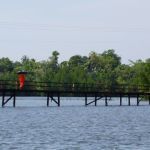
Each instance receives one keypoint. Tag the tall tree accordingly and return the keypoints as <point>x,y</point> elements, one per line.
<point>54,60</point>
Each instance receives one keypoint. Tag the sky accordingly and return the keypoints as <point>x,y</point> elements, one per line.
<point>74,27</point>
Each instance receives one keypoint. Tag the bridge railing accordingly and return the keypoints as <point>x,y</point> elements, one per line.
<point>73,87</point>
<point>8,84</point>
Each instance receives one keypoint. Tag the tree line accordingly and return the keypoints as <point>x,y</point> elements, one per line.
<point>98,68</point>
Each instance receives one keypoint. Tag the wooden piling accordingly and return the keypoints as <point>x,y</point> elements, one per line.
<point>58,100</point>
<point>129,102</point>
<point>47,99</point>
<point>138,100</point>
<point>95,100</point>
<point>106,103</point>
<point>14,100</point>
<point>3,98</point>
<point>85,99</point>
<point>120,100</point>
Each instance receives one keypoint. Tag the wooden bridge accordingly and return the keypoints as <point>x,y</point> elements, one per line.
<point>9,90</point>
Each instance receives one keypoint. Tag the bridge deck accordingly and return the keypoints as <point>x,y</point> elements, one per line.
<point>51,90</point>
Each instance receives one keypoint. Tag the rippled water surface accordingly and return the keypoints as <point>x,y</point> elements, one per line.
<point>75,127</point>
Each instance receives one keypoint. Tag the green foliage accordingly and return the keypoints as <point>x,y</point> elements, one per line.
<point>53,60</point>
<point>104,69</point>
<point>141,72</point>
<point>5,65</point>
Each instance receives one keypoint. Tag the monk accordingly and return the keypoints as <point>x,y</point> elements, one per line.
<point>21,80</point>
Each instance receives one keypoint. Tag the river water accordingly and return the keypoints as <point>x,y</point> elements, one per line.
<point>33,126</point>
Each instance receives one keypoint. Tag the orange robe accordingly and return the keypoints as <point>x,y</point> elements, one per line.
<point>21,81</point>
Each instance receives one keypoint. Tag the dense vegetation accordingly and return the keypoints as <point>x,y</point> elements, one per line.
<point>105,68</point>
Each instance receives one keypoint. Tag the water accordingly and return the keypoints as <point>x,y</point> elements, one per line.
<point>74,127</point>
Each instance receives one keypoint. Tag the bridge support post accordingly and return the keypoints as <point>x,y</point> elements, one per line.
<point>50,96</point>
<point>149,99</point>
<point>95,99</point>
<point>14,100</point>
<point>138,100</point>
<point>12,95</point>
<point>129,103</point>
<point>47,99</point>
<point>106,102</point>
<point>120,100</point>
<point>58,100</point>
<point>85,99</point>
<point>3,98</point>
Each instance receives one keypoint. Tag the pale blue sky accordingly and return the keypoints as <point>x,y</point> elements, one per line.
<point>37,27</point>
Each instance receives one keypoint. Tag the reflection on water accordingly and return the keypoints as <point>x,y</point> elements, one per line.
<point>74,127</point>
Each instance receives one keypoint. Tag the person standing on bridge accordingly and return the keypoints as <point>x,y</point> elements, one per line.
<point>21,78</point>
